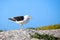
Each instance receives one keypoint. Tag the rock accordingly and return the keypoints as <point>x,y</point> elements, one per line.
<point>34,39</point>
<point>24,34</point>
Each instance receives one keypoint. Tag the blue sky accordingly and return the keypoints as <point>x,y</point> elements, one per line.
<point>43,12</point>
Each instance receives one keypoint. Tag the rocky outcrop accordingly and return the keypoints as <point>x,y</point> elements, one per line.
<point>24,34</point>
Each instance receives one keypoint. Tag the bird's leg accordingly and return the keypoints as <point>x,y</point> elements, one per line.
<point>21,26</point>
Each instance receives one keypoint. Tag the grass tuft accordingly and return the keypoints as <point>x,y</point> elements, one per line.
<point>44,36</point>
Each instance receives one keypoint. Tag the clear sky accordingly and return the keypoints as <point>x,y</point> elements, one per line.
<point>43,12</point>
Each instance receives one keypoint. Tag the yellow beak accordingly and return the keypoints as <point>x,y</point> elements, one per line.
<point>30,17</point>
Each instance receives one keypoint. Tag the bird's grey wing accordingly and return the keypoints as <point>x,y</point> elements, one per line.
<point>19,18</point>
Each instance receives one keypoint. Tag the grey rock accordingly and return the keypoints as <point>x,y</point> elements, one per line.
<point>24,34</point>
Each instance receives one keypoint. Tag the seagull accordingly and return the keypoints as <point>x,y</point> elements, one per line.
<point>21,19</point>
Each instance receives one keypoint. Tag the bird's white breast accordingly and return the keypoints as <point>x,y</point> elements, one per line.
<point>26,18</point>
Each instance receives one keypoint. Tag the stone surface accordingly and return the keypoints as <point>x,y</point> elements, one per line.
<point>24,34</point>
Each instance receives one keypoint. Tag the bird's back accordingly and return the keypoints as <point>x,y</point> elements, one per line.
<point>19,18</point>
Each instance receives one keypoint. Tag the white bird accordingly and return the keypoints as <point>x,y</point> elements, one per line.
<point>21,19</point>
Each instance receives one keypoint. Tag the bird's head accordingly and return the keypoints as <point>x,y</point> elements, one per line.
<point>28,16</point>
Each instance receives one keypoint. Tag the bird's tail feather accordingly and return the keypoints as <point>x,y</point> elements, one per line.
<point>11,19</point>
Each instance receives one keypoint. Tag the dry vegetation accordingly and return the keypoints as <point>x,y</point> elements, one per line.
<point>56,26</point>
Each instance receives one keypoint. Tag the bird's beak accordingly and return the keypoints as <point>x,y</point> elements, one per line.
<point>30,17</point>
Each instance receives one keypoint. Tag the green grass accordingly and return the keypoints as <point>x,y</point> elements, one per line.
<point>1,30</point>
<point>44,36</point>
<point>50,27</point>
